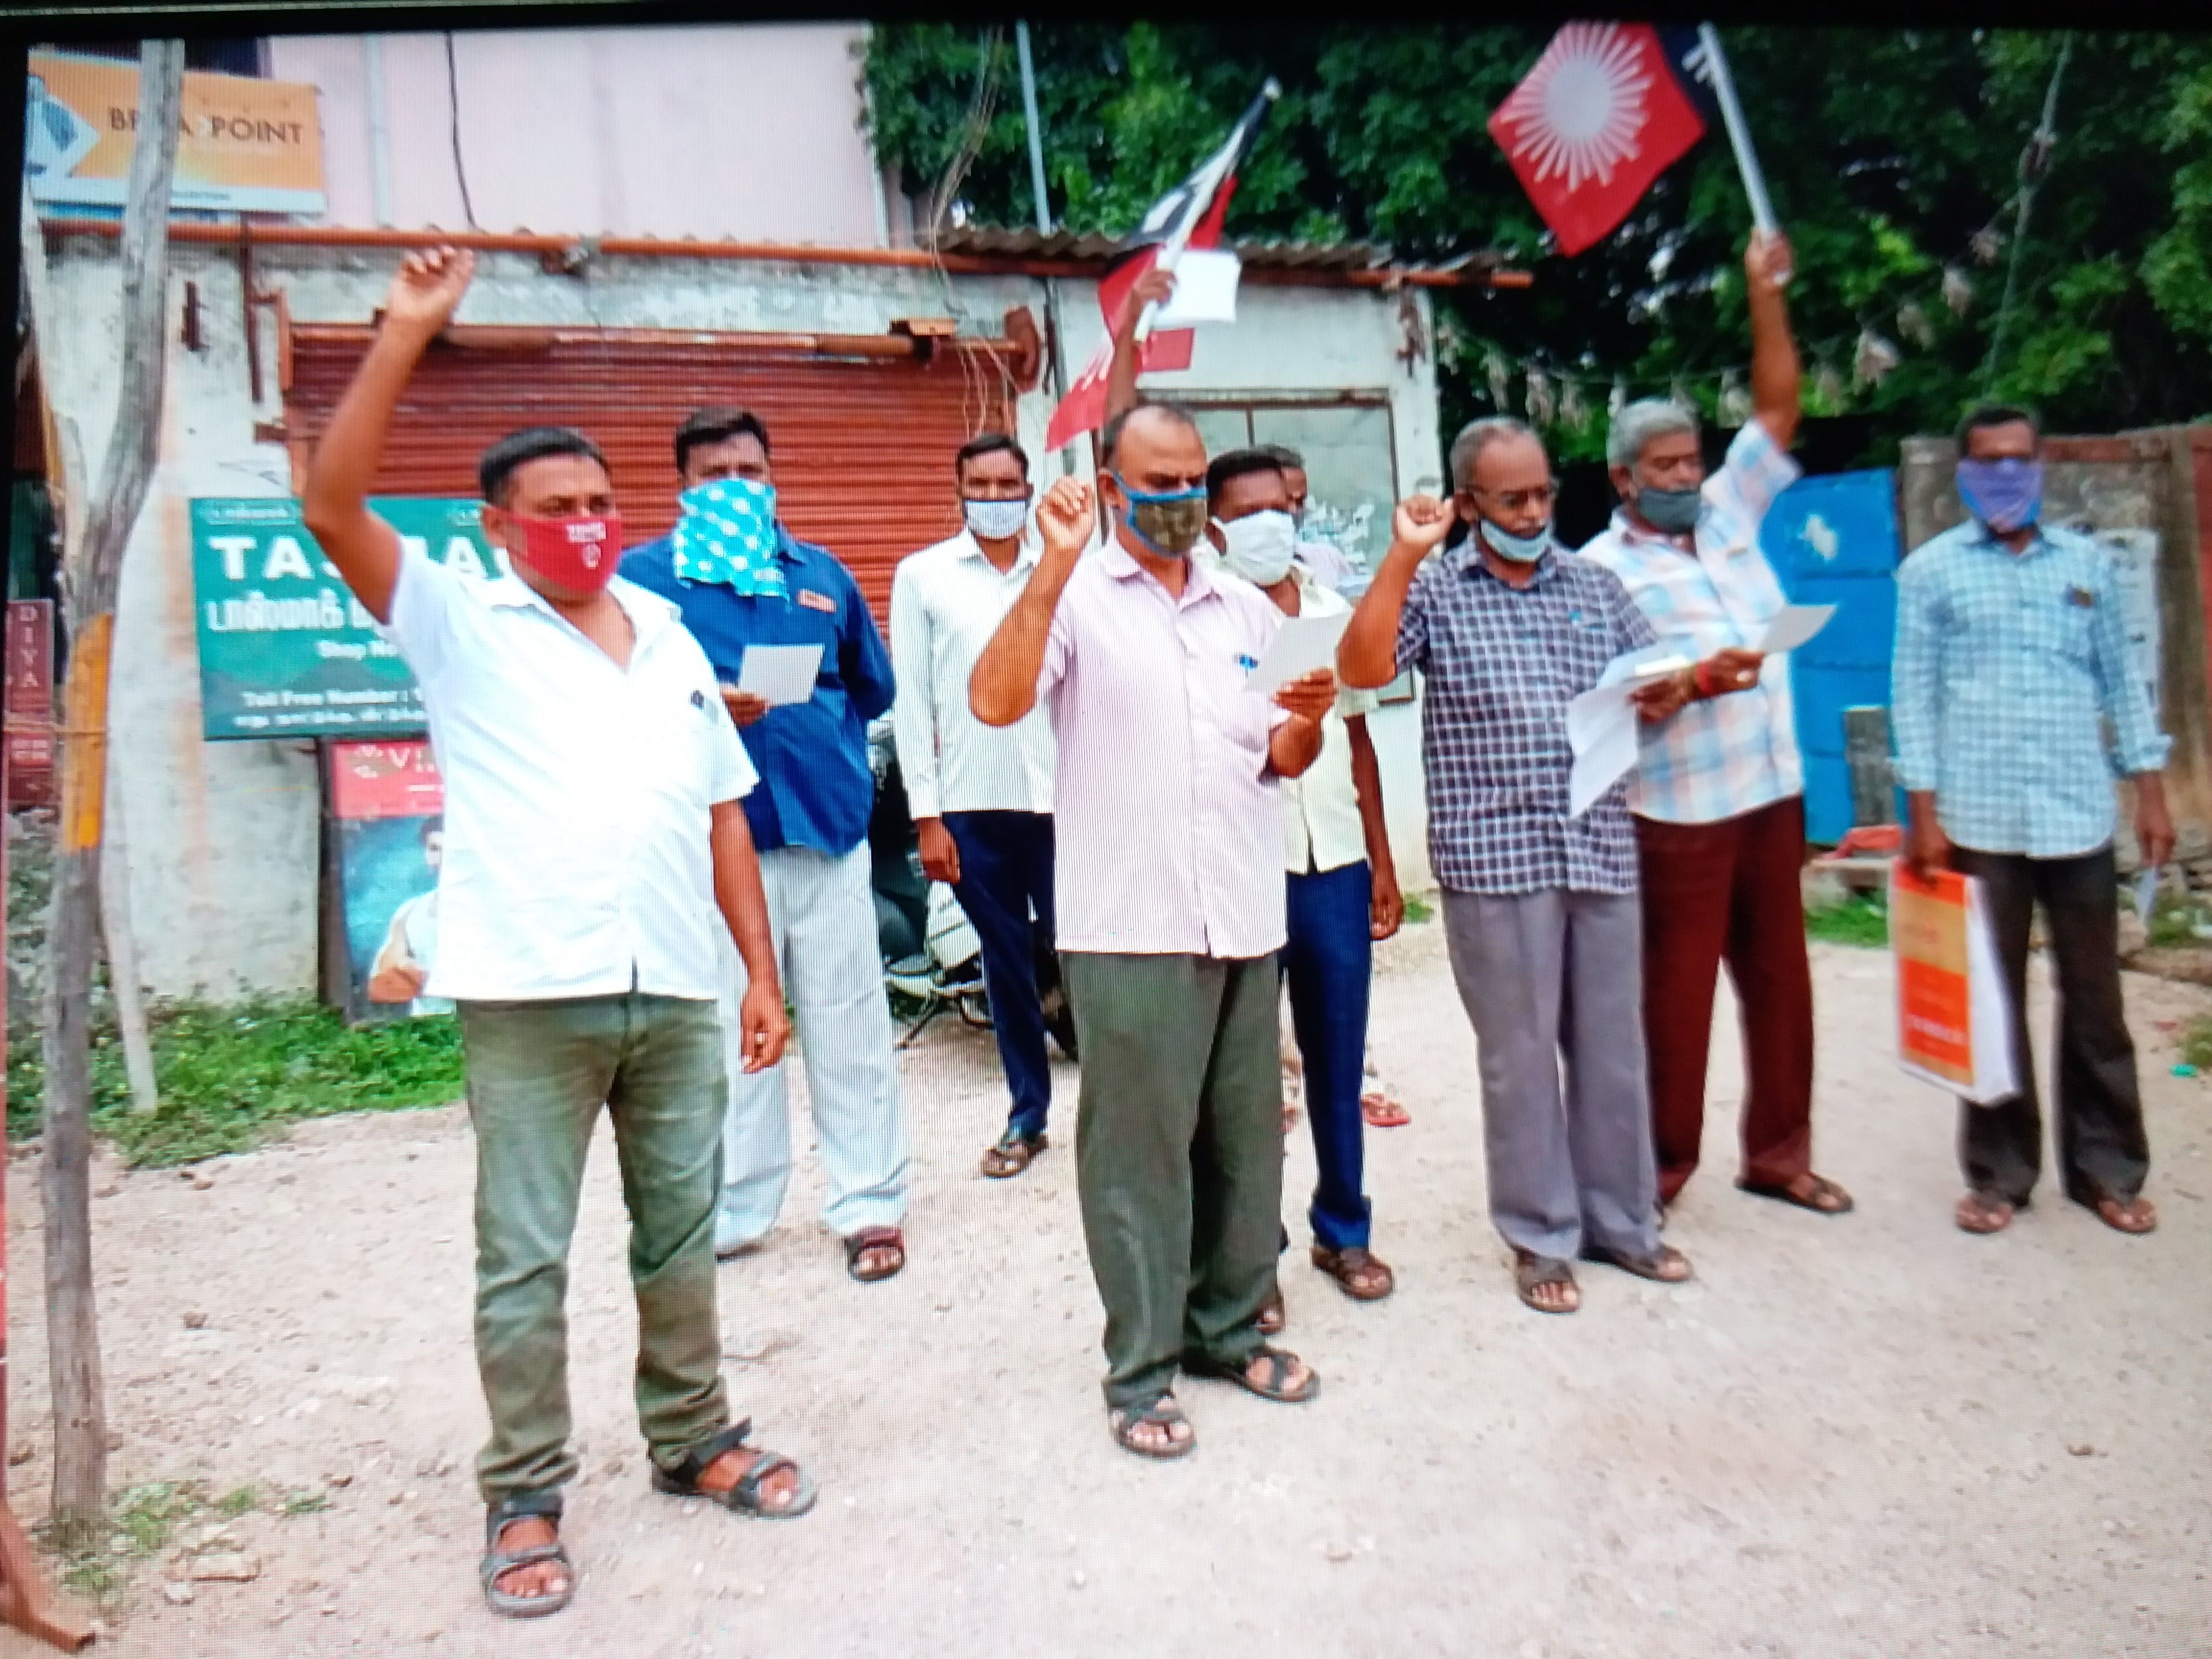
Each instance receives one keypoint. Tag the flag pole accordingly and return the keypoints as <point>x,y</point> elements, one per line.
<point>1173,250</point>
<point>1746,160</point>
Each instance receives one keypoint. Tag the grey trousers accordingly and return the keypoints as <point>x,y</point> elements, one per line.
<point>1550,976</point>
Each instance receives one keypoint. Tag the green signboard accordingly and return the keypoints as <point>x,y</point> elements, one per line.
<point>285,649</point>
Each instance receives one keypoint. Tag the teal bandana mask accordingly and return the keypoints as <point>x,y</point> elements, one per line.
<point>728,535</point>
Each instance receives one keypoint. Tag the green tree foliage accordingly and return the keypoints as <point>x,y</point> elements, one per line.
<point>1893,157</point>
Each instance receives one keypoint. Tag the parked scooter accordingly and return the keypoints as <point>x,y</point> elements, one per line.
<point>931,953</point>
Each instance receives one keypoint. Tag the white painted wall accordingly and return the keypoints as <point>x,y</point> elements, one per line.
<point>224,860</point>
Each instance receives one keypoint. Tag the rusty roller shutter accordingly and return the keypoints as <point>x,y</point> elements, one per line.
<point>862,444</point>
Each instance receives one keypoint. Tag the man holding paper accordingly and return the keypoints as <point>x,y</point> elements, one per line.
<point>1343,886</point>
<point>2011,657</point>
<point>803,671</point>
<point>1539,901</point>
<point>1169,893</point>
<point>1718,794</point>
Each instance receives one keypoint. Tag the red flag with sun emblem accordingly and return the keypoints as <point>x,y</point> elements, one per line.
<point>1600,117</point>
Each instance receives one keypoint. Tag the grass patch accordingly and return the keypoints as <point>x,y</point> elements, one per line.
<point>232,1076</point>
<point>137,1525</point>
<point>1861,919</point>
<point>143,1522</point>
<point>2176,918</point>
<point>2196,1045</point>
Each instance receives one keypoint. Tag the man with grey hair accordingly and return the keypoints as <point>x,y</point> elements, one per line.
<point>1540,905</point>
<point>1718,795</point>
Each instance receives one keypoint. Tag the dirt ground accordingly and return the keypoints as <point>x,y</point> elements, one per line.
<point>1868,1436</point>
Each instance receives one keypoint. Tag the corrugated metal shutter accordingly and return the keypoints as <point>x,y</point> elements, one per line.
<point>863,446</point>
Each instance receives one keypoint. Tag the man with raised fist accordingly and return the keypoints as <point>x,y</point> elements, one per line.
<point>595,837</point>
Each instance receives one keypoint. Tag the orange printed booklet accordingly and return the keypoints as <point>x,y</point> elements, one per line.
<point>1954,1019</point>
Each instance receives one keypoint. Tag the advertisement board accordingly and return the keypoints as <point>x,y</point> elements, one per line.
<point>387,839</point>
<point>244,145</point>
<point>285,650</point>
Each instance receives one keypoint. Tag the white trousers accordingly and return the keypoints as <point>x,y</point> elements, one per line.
<point>823,919</point>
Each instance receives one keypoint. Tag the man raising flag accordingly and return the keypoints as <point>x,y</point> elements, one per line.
<point>1189,215</point>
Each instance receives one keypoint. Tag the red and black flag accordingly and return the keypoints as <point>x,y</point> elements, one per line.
<point>1189,215</point>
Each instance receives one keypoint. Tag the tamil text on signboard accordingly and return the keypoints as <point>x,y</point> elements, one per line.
<point>243,145</point>
<point>285,650</point>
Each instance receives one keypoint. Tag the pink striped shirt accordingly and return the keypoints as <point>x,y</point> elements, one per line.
<point>1167,831</point>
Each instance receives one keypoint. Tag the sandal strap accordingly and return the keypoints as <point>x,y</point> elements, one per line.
<point>696,1460</point>
<point>875,1238</point>
<point>499,1563</point>
<point>521,1506</point>
<point>769,1463</point>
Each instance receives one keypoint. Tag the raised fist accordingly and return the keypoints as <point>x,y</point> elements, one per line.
<point>428,289</point>
<point>1421,521</point>
<point>1064,518</point>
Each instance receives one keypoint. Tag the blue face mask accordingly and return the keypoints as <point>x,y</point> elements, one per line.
<point>2006,496</point>
<point>728,535</point>
<point>1521,549</point>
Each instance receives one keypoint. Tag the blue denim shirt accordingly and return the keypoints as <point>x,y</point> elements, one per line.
<point>815,789</point>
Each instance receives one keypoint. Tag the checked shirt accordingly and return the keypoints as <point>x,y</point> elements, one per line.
<point>2006,667</point>
<point>1500,664</point>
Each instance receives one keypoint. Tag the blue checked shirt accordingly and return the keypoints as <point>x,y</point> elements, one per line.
<point>1501,664</point>
<point>1735,753</point>
<point>2006,665</point>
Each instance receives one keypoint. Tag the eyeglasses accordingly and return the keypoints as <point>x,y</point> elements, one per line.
<point>1517,501</point>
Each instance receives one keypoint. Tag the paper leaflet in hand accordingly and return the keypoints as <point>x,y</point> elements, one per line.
<point>1301,645</point>
<point>1793,627</point>
<point>779,674</point>
<point>2147,893</point>
<point>1205,289</point>
<point>1602,723</point>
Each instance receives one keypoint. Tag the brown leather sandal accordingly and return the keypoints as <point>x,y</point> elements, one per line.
<point>1013,1154</point>
<point>1359,1272</point>
<point>874,1238</point>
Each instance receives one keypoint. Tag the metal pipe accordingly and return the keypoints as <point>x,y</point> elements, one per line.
<point>643,247</point>
<point>1034,128</point>
<point>379,145</point>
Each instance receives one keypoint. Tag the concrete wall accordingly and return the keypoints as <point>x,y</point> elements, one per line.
<point>2159,481</point>
<point>632,131</point>
<point>224,852</point>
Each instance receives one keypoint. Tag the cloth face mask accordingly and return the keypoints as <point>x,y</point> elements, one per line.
<point>1259,546</point>
<point>728,535</point>
<point>995,521</point>
<point>2006,496</point>
<point>1171,522</point>
<point>578,554</point>
<point>1521,549</point>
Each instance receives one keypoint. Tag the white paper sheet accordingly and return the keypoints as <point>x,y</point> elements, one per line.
<point>1796,624</point>
<point>2147,893</point>
<point>779,674</point>
<point>1301,645</point>
<point>1601,724</point>
<point>1205,289</point>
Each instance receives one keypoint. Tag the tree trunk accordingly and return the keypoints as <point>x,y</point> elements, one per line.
<point>122,960</point>
<point>89,584</point>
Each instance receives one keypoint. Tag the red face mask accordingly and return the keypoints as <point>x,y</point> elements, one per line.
<point>578,554</point>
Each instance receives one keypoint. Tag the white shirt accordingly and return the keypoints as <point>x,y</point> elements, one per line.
<point>1326,563</point>
<point>415,924</point>
<point>1321,829</point>
<point>946,602</point>
<point>578,793</point>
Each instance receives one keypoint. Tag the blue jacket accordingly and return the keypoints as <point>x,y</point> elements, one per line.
<point>816,788</point>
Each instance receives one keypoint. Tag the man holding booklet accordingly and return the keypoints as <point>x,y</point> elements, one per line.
<point>803,671</point>
<point>1718,791</point>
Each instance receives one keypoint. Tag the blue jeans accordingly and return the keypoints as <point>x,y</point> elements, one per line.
<point>1327,961</point>
<point>1005,873</point>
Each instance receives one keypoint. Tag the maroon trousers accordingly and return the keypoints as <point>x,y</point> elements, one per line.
<point>1728,892</point>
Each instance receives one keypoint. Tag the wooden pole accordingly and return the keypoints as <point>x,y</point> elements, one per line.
<point>24,1602</point>
<point>89,591</point>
